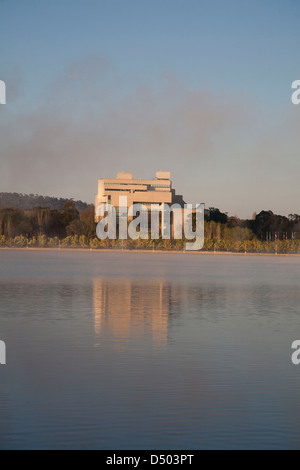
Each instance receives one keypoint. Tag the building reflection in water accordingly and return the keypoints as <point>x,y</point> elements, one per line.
<point>126,309</point>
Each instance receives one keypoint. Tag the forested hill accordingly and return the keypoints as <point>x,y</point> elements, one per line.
<point>28,201</point>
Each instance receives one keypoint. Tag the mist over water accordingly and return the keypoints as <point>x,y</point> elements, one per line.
<point>148,351</point>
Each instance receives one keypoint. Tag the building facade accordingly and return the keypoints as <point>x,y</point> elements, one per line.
<point>147,192</point>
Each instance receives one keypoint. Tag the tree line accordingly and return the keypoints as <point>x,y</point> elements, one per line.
<point>39,221</point>
<point>72,227</point>
<point>30,201</point>
<point>265,226</point>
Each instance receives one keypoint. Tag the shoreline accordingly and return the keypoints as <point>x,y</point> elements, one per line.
<point>118,250</point>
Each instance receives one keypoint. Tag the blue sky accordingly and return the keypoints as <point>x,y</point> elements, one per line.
<point>97,86</point>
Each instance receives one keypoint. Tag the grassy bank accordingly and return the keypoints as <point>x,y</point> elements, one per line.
<point>210,245</point>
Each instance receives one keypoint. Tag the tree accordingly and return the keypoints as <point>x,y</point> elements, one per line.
<point>69,213</point>
<point>217,216</point>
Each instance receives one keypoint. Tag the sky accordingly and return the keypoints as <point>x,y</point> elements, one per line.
<point>200,88</point>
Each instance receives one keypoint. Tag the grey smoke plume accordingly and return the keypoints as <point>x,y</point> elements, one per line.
<point>84,128</point>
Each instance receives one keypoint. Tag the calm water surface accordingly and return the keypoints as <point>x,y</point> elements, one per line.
<point>149,351</point>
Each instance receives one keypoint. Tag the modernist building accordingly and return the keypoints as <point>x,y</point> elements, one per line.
<point>169,216</point>
<point>153,191</point>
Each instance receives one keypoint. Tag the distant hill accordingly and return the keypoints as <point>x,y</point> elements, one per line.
<point>28,201</point>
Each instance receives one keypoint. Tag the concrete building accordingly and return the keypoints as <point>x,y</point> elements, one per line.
<point>153,191</point>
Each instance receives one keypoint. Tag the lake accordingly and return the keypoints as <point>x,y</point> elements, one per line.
<point>112,350</point>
